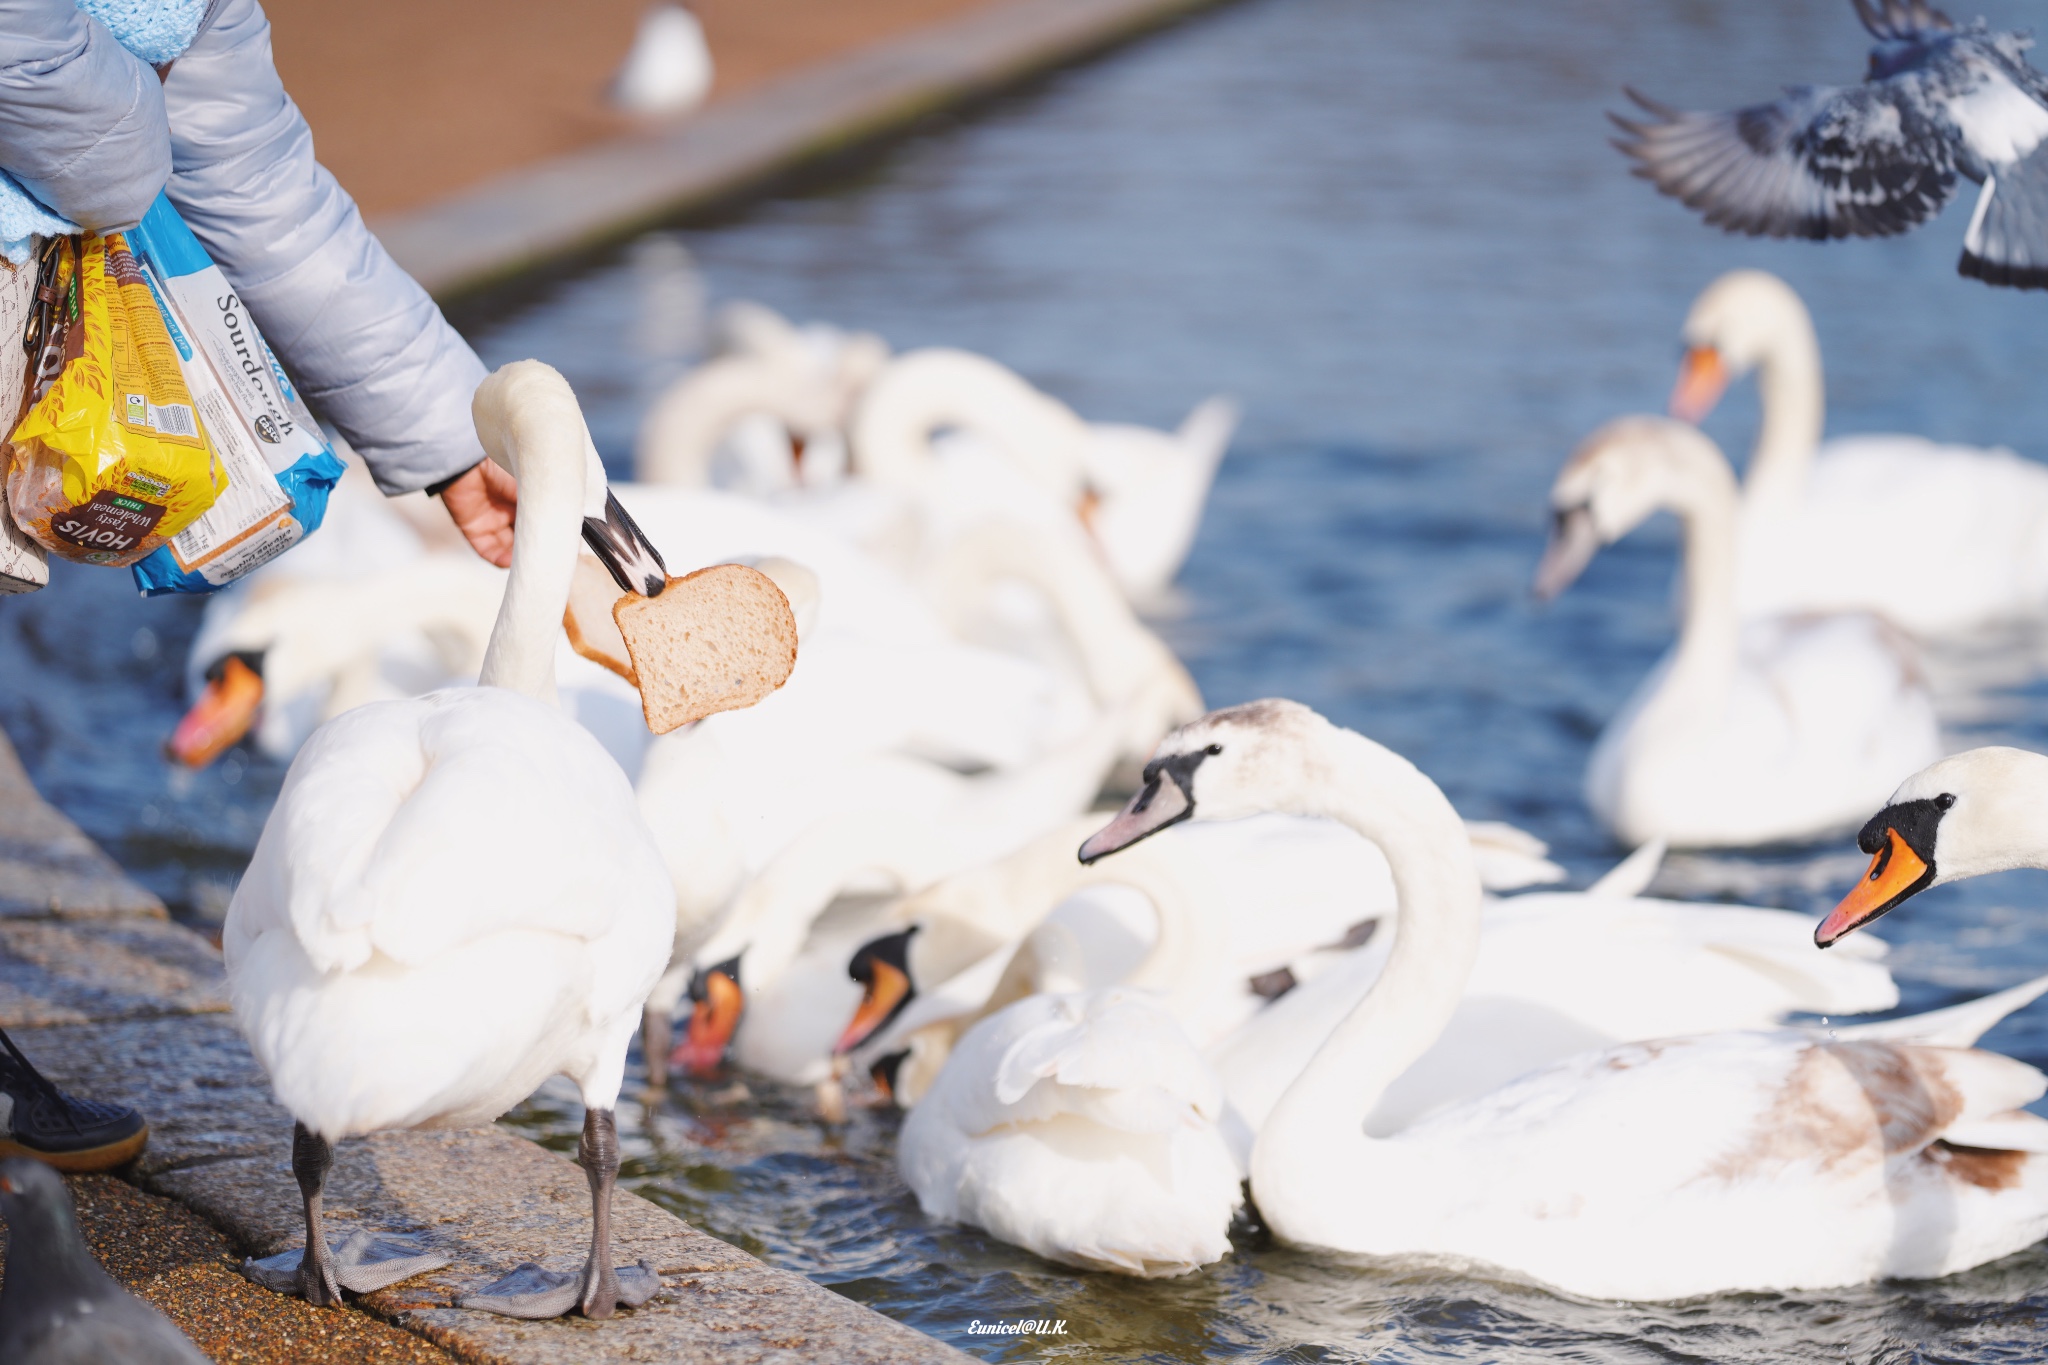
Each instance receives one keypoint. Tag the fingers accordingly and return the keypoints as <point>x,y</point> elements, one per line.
<point>483,504</point>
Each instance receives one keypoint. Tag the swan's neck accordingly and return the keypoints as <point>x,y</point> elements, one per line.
<point>1703,666</point>
<point>1314,1142</point>
<point>545,540</point>
<point>1790,391</point>
<point>1040,436</point>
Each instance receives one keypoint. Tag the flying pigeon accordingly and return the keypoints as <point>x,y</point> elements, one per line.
<point>57,1307</point>
<point>1880,158</point>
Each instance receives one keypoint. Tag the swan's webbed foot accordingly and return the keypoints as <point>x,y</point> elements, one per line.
<point>531,1292</point>
<point>318,1274</point>
<point>364,1264</point>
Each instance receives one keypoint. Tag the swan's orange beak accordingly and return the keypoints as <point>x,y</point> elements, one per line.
<point>1896,873</point>
<point>887,986</point>
<point>713,1019</point>
<point>221,716</point>
<point>1702,379</point>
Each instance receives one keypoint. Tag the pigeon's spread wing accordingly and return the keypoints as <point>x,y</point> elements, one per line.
<point>2008,239</point>
<point>1865,161</point>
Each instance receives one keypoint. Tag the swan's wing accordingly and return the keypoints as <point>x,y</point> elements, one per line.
<point>1869,160</point>
<point>409,828</point>
<point>1956,1026</point>
<point>1113,1057</point>
<point>1631,876</point>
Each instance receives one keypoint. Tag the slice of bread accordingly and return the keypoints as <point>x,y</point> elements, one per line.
<point>719,639</point>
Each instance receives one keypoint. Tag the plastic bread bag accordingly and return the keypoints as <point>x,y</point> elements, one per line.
<point>110,461</point>
<point>280,468</point>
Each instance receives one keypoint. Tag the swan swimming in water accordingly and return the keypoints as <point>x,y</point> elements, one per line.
<point>1747,732</point>
<point>1821,524</point>
<point>454,897</point>
<point>1691,1165</point>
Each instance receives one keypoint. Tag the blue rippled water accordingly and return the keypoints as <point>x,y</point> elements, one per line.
<point>1397,234</point>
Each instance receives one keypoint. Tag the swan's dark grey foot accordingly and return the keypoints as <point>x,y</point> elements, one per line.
<point>532,1292</point>
<point>319,1274</point>
<point>364,1264</point>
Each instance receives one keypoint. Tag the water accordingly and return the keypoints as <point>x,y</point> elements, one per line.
<point>1395,232</point>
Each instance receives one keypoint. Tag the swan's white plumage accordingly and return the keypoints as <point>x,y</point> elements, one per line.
<point>454,897</point>
<point>1822,524</point>
<point>1652,1170</point>
<point>1081,1127</point>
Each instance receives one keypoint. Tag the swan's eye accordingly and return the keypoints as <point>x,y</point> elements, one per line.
<point>1215,749</point>
<point>1945,800</point>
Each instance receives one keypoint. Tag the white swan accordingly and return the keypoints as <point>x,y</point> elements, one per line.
<point>1558,972</point>
<point>1657,1170</point>
<point>1970,814</point>
<point>1079,1125</point>
<point>1138,493</point>
<point>1776,729</point>
<point>1822,524</point>
<point>454,897</point>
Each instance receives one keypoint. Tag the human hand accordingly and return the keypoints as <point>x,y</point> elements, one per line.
<point>483,501</point>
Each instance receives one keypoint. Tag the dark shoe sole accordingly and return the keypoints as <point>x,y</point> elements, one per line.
<point>101,1158</point>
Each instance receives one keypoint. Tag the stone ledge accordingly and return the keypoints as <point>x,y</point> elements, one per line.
<point>48,867</point>
<point>486,1198</point>
<point>571,202</point>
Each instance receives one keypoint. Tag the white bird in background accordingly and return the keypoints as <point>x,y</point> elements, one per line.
<point>1822,524</point>
<point>1747,732</point>
<point>1692,1165</point>
<point>668,69</point>
<point>1012,452</point>
<point>454,897</point>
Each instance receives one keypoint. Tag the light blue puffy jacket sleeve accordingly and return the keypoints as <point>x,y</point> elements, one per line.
<point>81,121</point>
<point>357,334</point>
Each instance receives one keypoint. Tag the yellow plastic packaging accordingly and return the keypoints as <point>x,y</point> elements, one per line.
<point>112,460</point>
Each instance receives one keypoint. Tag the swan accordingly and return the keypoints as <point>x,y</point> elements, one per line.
<point>1080,1125</point>
<point>1970,814</point>
<point>1821,523</point>
<point>1557,971</point>
<point>1746,733</point>
<point>454,897</point>
<point>1656,1170</point>
<point>1137,493</point>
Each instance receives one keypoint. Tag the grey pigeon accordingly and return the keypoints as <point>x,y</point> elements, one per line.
<point>57,1307</point>
<point>1880,158</point>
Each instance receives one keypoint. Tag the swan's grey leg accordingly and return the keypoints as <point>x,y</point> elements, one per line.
<point>599,1153</point>
<point>657,1036</point>
<point>532,1291</point>
<point>312,1155</point>
<point>365,1263</point>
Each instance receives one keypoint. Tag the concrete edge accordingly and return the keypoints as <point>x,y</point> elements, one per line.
<point>570,203</point>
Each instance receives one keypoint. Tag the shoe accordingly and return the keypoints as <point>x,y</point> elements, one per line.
<point>39,1120</point>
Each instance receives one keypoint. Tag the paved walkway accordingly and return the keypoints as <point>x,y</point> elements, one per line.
<point>112,999</point>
